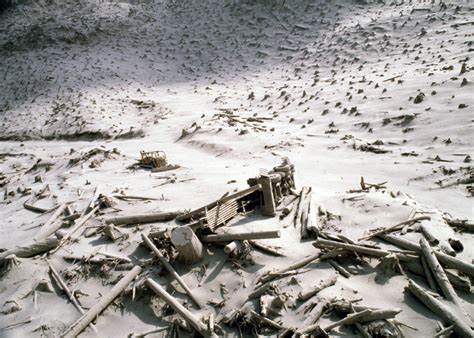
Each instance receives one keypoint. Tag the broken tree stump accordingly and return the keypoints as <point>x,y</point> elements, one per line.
<point>269,205</point>
<point>77,327</point>
<point>172,271</point>
<point>189,247</point>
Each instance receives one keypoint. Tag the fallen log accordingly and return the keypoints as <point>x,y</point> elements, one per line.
<point>439,273</point>
<point>297,265</point>
<point>395,227</point>
<point>324,243</point>
<point>428,274</point>
<point>428,235</point>
<point>450,262</point>
<point>51,226</point>
<point>127,197</point>
<point>307,294</point>
<point>459,326</point>
<point>461,283</point>
<point>364,316</point>
<point>313,316</point>
<point>171,270</point>
<point>228,237</point>
<point>171,301</point>
<point>31,249</point>
<point>147,218</point>
<point>265,249</point>
<point>339,268</point>
<point>75,329</point>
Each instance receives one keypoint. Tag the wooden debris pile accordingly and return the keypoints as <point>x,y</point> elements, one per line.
<point>274,292</point>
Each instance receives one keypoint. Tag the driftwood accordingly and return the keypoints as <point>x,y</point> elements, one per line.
<point>31,250</point>
<point>171,301</point>
<point>439,273</point>
<point>324,243</point>
<point>307,294</point>
<point>459,326</point>
<point>241,236</point>
<point>188,245</point>
<point>450,262</point>
<point>171,270</point>
<point>76,328</point>
<point>68,292</point>
<point>395,227</point>
<point>147,218</point>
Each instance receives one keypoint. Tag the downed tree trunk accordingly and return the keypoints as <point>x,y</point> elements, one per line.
<point>31,250</point>
<point>171,270</point>
<point>241,236</point>
<point>461,283</point>
<point>428,235</point>
<point>147,218</point>
<point>444,259</point>
<point>171,301</point>
<point>459,326</point>
<point>76,328</point>
<point>324,243</point>
<point>364,316</point>
<point>439,273</point>
<point>297,265</point>
<point>51,226</point>
<point>313,316</point>
<point>188,245</point>
<point>395,227</point>
<point>307,294</point>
